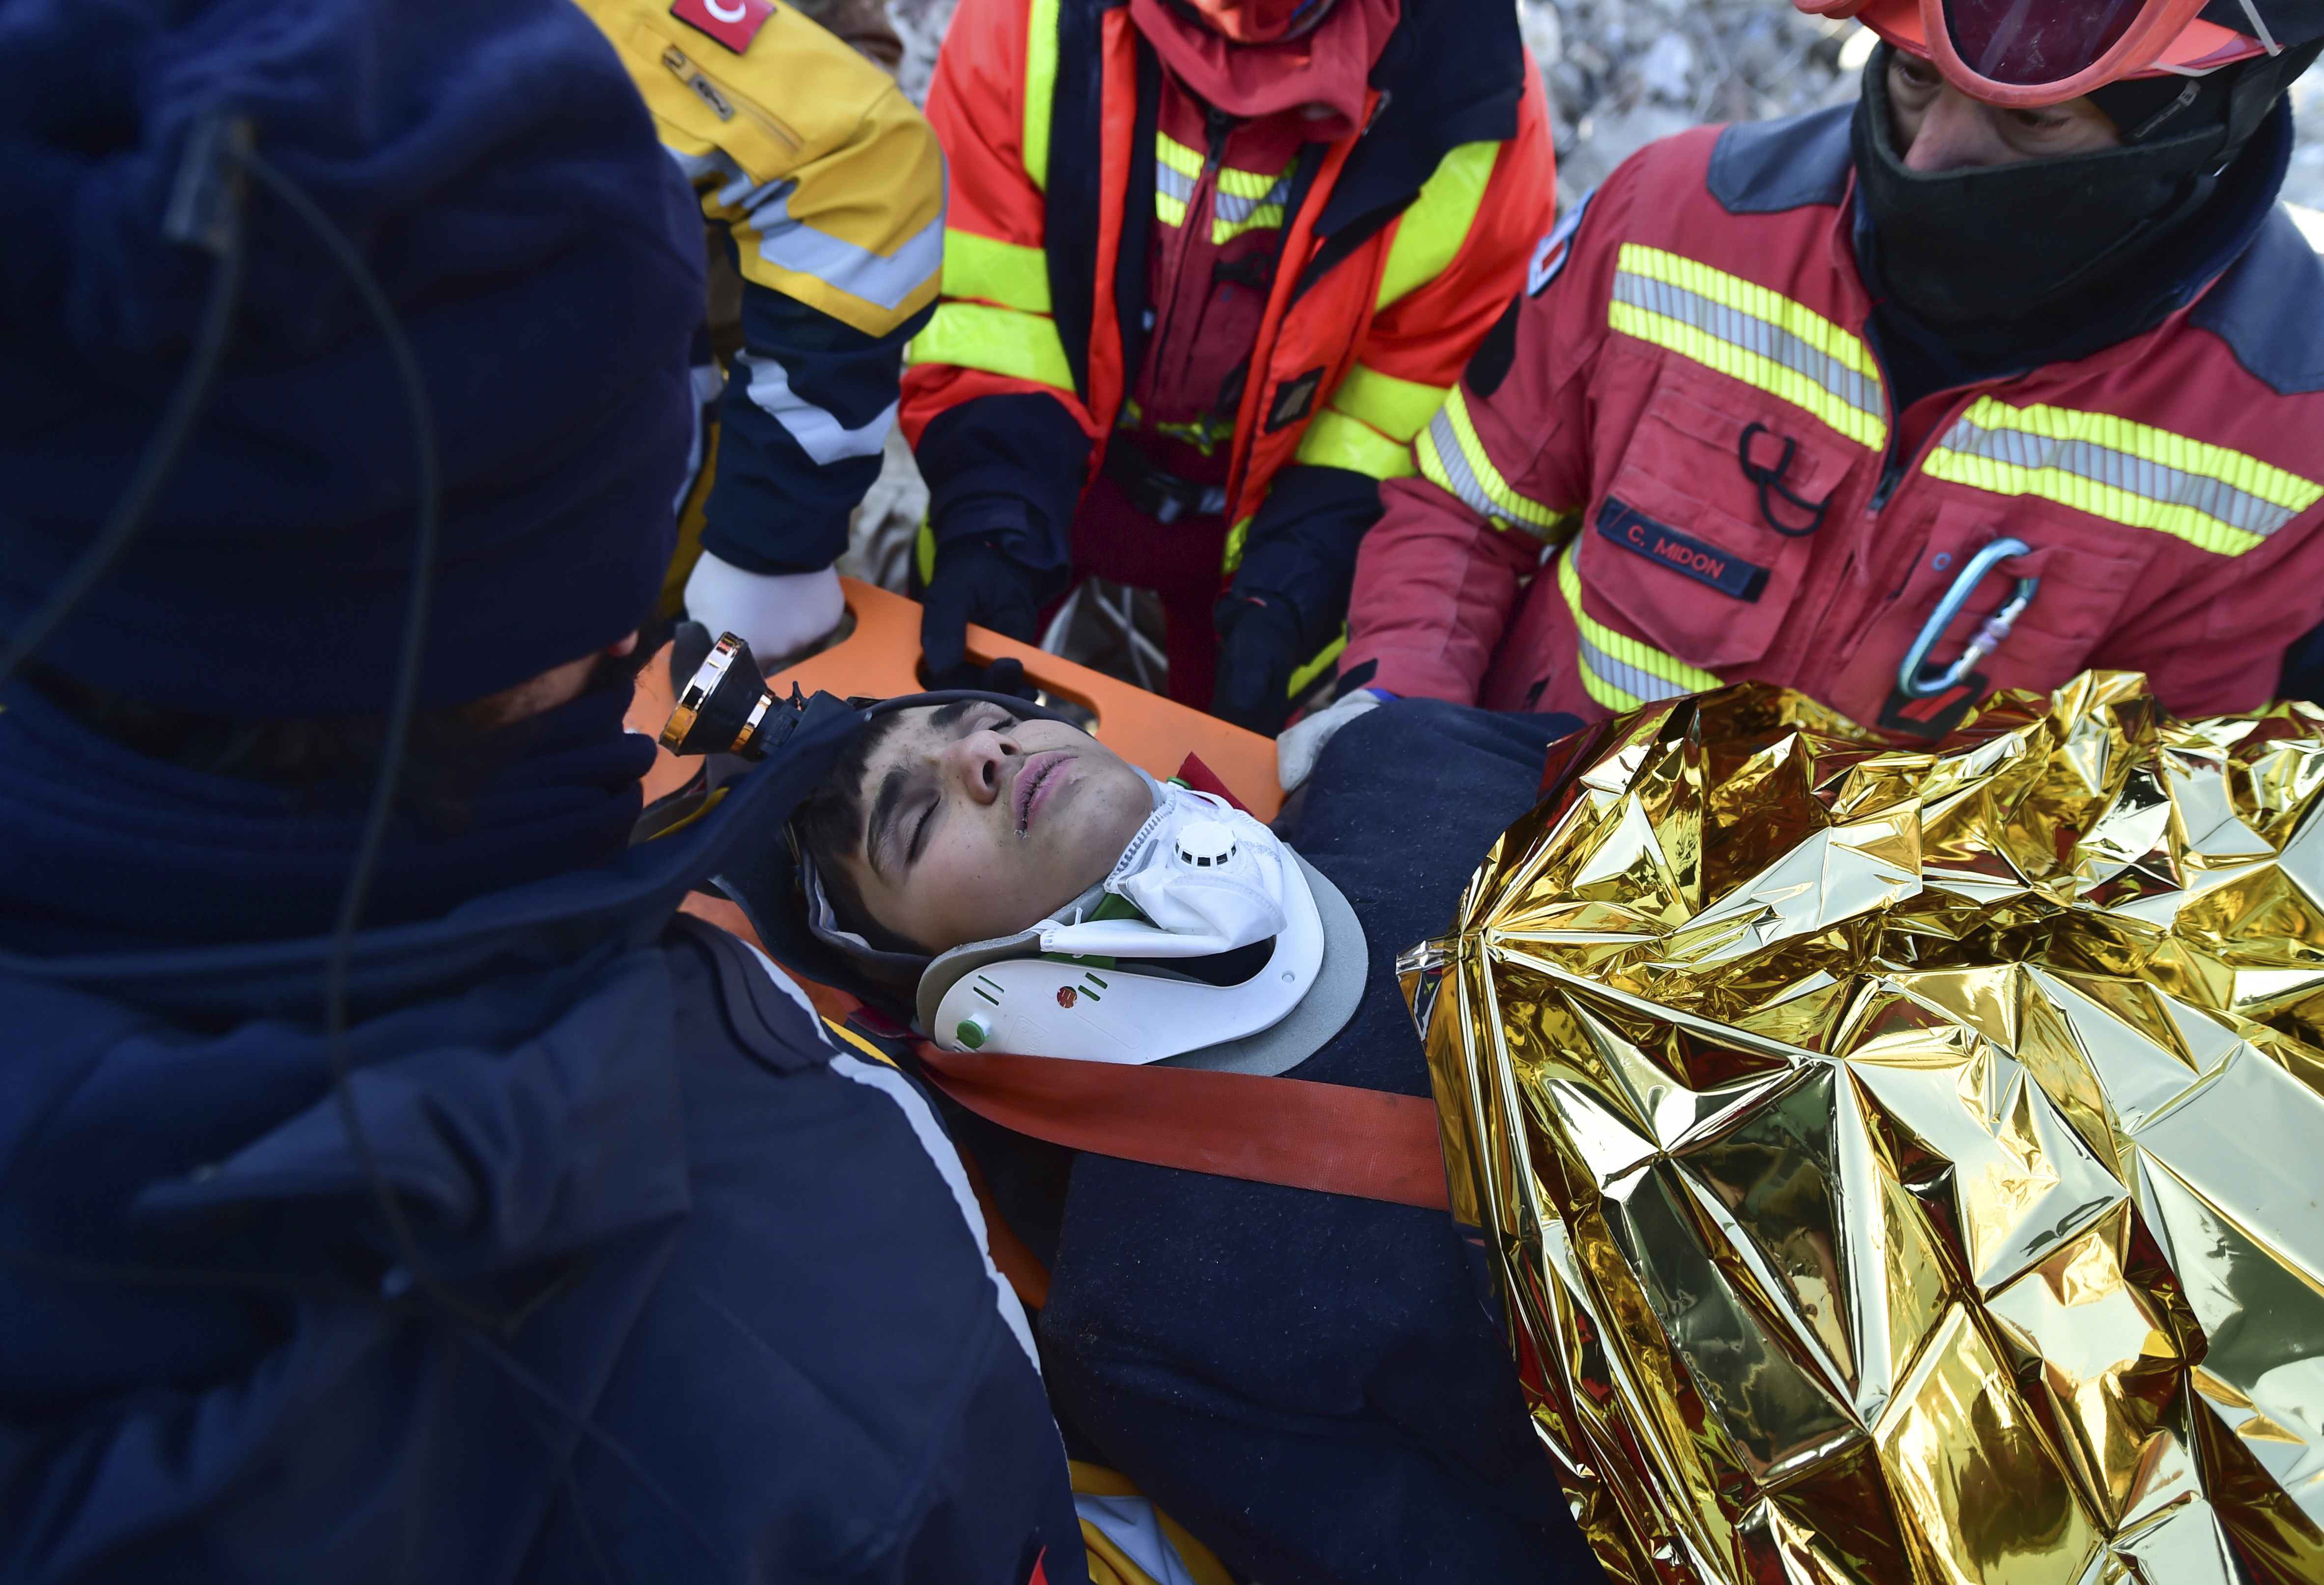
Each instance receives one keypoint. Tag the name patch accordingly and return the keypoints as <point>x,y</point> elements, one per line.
<point>733,23</point>
<point>1705,563</point>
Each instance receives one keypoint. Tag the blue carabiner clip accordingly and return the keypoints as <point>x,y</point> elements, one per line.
<point>1910,681</point>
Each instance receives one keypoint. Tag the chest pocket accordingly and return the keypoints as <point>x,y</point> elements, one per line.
<point>708,101</point>
<point>1680,544</point>
<point>2087,570</point>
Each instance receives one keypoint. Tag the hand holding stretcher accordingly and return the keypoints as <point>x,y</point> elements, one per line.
<point>1329,1138</point>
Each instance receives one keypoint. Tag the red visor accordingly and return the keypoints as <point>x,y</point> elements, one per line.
<point>2023,53</point>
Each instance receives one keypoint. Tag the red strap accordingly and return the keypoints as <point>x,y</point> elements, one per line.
<point>1328,1138</point>
<point>1203,778</point>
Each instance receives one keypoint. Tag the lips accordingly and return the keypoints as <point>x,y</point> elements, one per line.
<point>1031,781</point>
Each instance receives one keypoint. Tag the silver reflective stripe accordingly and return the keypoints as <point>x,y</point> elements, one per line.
<point>1175,184</point>
<point>942,1154</point>
<point>1234,210</point>
<point>1642,686</point>
<point>1457,471</point>
<point>796,246</point>
<point>2120,470</point>
<point>1753,334</point>
<point>818,430</point>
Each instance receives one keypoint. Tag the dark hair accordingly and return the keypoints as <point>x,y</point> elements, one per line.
<point>828,827</point>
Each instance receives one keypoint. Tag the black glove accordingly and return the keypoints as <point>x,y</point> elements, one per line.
<point>1259,647</point>
<point>981,583</point>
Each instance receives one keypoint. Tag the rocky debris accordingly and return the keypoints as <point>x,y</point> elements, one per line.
<point>1621,73</point>
<point>921,24</point>
<point>2304,184</point>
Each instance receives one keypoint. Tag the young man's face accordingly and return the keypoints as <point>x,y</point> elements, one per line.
<point>979,824</point>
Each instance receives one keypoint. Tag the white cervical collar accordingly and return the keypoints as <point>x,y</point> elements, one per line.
<point>1206,878</point>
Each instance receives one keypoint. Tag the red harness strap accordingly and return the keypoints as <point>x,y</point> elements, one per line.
<point>1328,1138</point>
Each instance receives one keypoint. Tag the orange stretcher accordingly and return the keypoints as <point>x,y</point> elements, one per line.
<point>880,658</point>
<point>1328,1138</point>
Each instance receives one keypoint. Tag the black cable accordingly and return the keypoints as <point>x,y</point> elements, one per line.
<point>207,210</point>
<point>160,459</point>
<point>404,704</point>
<point>419,600</point>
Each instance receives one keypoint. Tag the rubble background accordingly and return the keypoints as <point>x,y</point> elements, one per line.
<point>1620,73</point>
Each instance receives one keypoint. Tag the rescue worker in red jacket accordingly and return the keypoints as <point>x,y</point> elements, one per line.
<point>1995,378</point>
<point>1209,266</point>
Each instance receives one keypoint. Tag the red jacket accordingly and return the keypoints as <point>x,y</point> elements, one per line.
<point>2165,485</point>
<point>1399,244</point>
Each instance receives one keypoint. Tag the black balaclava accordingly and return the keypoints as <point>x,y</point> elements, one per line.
<point>1993,245</point>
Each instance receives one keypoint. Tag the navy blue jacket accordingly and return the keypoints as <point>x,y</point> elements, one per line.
<point>751,1330</point>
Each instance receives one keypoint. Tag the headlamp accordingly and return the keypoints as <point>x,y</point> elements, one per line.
<point>726,707</point>
<point>2021,54</point>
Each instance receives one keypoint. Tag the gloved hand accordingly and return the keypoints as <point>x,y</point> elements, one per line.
<point>777,614</point>
<point>983,584</point>
<point>1297,750</point>
<point>1261,646</point>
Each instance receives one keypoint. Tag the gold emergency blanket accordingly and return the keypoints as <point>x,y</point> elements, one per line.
<point>1902,1165</point>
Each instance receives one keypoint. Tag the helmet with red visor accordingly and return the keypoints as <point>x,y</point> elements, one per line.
<point>2025,54</point>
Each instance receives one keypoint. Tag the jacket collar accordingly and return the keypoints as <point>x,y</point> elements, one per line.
<point>523,927</point>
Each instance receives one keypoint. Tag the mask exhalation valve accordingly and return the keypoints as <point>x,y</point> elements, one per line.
<point>1205,845</point>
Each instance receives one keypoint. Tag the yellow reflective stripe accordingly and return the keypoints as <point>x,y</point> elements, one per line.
<point>1335,440</point>
<point>1040,87</point>
<point>1176,155</point>
<point>1251,184</point>
<point>1434,228</point>
<point>2133,474</point>
<point>851,1038</point>
<point>1619,671</point>
<point>1004,273</point>
<point>924,551</point>
<point>1000,341</point>
<point>1452,458</point>
<point>1265,217</point>
<point>1397,408</point>
<point>1243,201</point>
<point>1237,537</point>
<point>1314,669</point>
<point>1751,334</point>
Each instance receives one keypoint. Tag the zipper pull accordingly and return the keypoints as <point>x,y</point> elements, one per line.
<point>1221,123</point>
<point>1890,477</point>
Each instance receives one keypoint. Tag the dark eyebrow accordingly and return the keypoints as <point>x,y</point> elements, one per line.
<point>883,815</point>
<point>943,718</point>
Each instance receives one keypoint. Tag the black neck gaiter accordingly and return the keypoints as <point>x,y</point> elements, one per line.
<point>2009,242</point>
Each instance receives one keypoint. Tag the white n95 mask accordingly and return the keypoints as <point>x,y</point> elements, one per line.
<point>1206,877</point>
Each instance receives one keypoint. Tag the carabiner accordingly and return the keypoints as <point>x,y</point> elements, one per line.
<point>1989,636</point>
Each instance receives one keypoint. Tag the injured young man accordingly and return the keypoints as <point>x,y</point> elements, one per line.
<point>1315,1385</point>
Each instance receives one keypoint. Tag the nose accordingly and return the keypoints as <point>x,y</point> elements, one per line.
<point>1956,132</point>
<point>981,761</point>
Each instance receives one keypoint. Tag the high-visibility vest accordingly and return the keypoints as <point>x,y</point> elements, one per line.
<point>1403,241</point>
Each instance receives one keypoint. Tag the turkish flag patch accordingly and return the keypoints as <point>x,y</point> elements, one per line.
<point>733,23</point>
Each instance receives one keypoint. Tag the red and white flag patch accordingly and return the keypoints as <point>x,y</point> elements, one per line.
<point>733,23</point>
